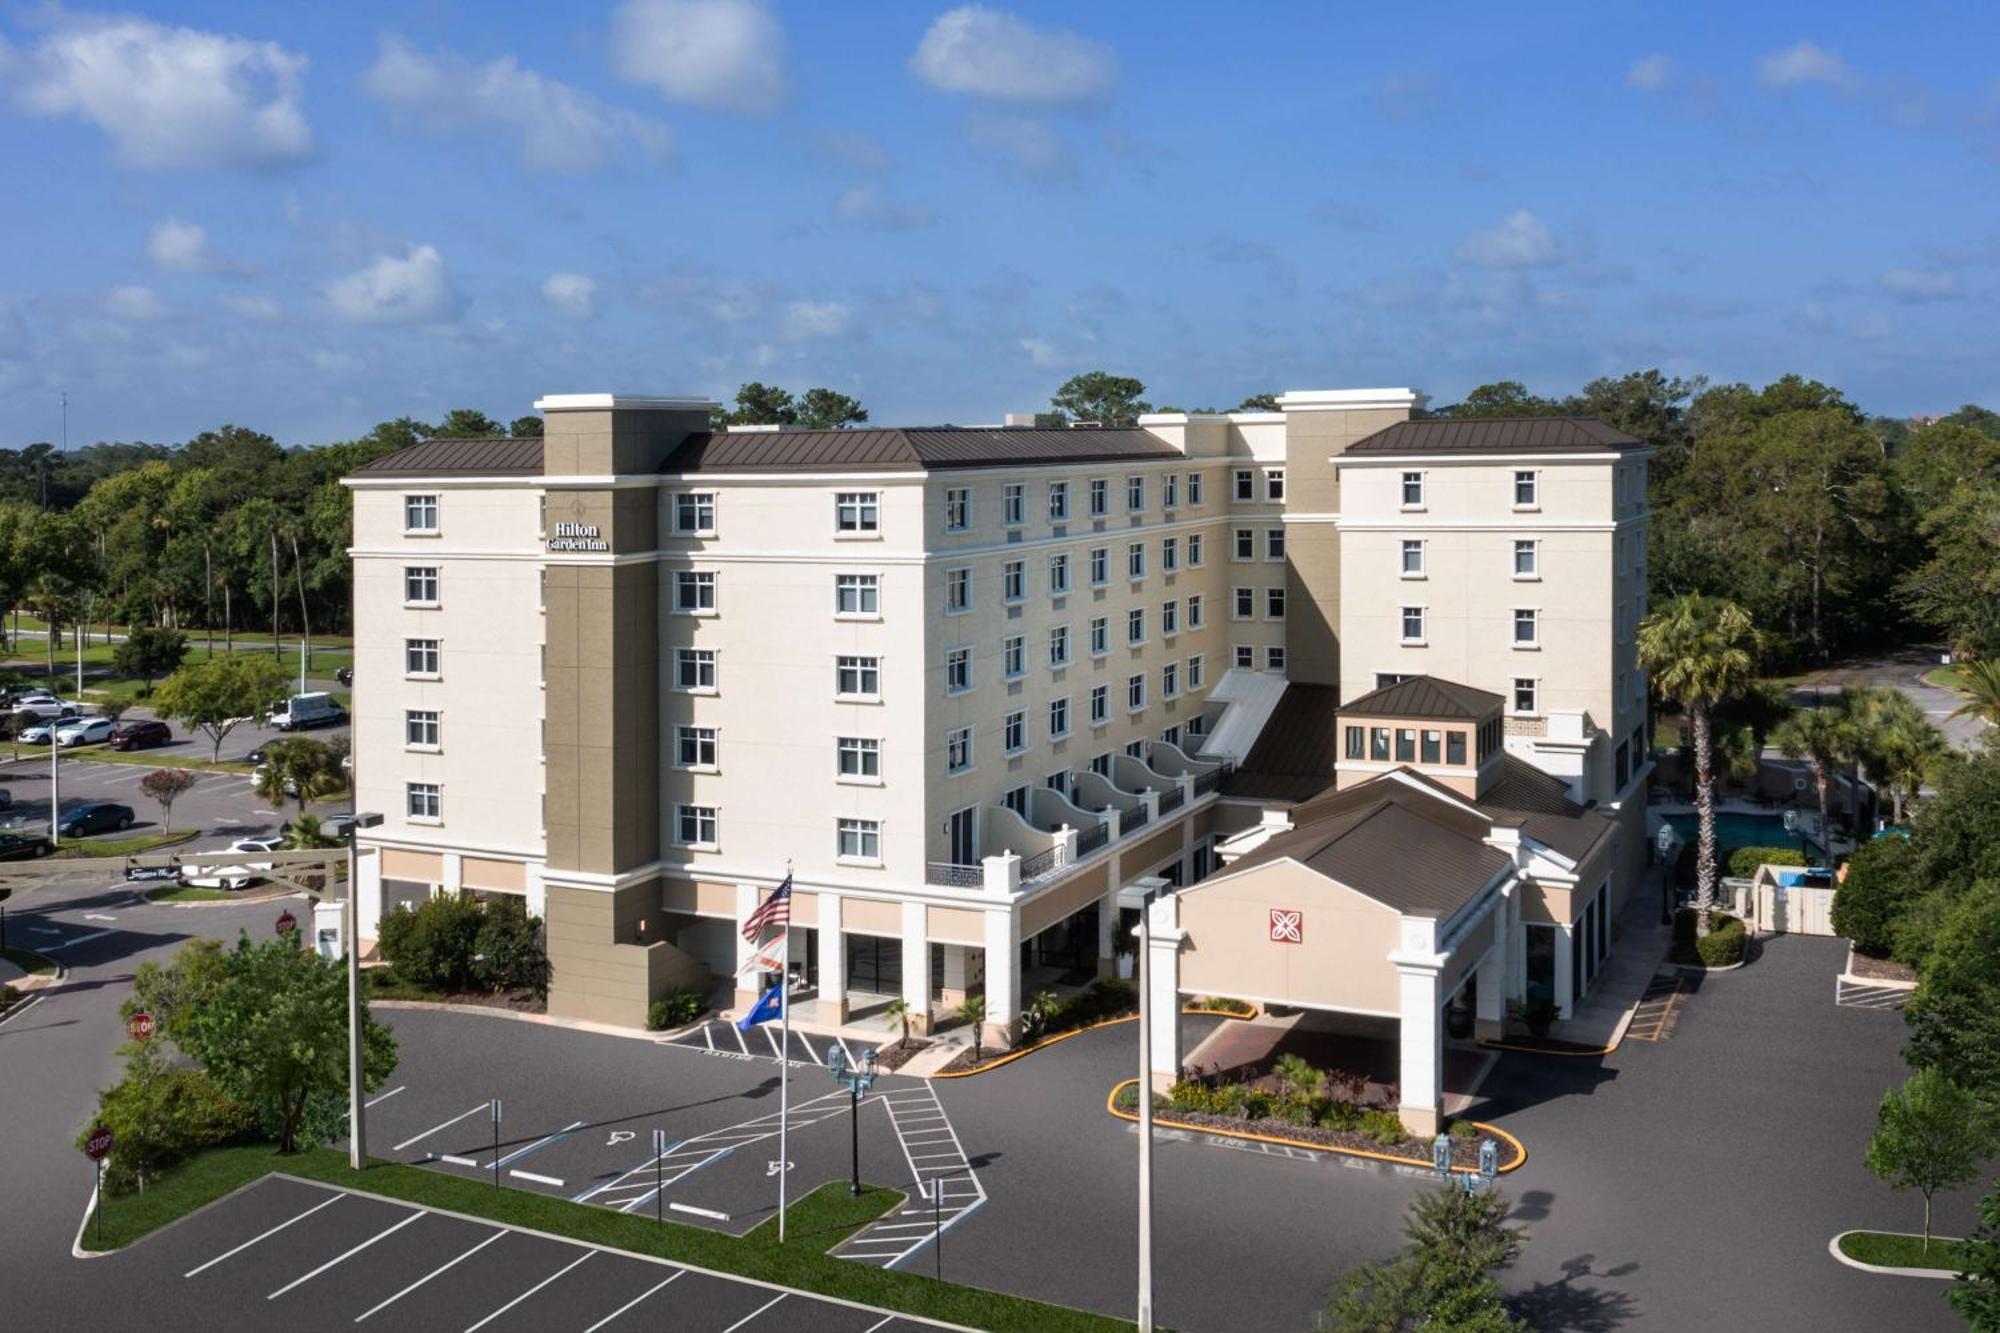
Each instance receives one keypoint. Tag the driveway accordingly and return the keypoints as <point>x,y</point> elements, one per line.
<point>1904,671</point>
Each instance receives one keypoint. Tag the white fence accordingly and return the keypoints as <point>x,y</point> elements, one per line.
<point>1767,904</point>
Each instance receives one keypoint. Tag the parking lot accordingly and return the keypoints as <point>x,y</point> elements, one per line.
<point>294,1254</point>
<point>223,806</point>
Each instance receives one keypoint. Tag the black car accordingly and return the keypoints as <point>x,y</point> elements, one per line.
<point>344,675</point>
<point>23,846</point>
<point>141,735</point>
<point>95,817</point>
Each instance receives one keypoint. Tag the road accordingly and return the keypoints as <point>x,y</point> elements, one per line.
<point>1904,670</point>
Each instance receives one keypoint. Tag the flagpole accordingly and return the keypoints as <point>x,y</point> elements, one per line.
<point>784,1062</point>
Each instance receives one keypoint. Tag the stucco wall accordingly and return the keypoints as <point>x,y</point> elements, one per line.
<point>1341,963</point>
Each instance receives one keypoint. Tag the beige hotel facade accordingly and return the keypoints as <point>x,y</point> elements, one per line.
<point>978,688</point>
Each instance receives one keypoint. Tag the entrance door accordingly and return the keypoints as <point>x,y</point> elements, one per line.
<point>964,833</point>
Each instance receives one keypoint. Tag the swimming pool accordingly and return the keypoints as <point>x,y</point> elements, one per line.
<point>1736,829</point>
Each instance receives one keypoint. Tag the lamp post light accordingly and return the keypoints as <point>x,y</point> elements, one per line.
<point>1471,1183</point>
<point>357,1127</point>
<point>857,1078</point>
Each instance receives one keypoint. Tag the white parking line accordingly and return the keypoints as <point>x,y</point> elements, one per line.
<point>776,1054</point>
<point>98,916</point>
<point>748,1317</point>
<point>699,1212</point>
<point>384,1097</point>
<point>80,939</point>
<point>254,1239</point>
<point>483,1106</point>
<point>649,1291</point>
<point>300,1281</point>
<point>539,1144</point>
<point>872,1327</point>
<point>850,1054</point>
<point>739,1038</point>
<point>433,1273</point>
<point>531,1291</point>
<point>539,1180</point>
<point>708,1035</point>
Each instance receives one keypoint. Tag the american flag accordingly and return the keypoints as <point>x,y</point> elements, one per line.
<point>775,910</point>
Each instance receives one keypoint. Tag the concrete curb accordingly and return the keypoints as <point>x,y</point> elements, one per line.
<point>1880,983</point>
<point>151,901</point>
<point>1011,1056</point>
<point>1833,1248</point>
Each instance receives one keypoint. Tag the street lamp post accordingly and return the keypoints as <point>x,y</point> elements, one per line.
<point>857,1078</point>
<point>357,1126</point>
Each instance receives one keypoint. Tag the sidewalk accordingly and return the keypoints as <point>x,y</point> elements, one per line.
<point>1638,949</point>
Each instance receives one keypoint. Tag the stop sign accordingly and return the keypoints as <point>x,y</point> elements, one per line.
<point>98,1146</point>
<point>287,922</point>
<point>140,1025</point>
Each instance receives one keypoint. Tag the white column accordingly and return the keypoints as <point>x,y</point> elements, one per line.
<point>368,892</point>
<point>916,967</point>
<point>1003,874</point>
<point>832,1004</point>
<point>1163,983</point>
<point>1421,1037</point>
<point>451,870</point>
<point>1489,1019</point>
<point>1565,985</point>
<point>1107,930</point>
<point>538,894</point>
<point>1003,975</point>
<point>747,990</point>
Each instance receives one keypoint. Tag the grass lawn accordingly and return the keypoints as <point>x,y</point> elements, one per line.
<point>1947,678</point>
<point>178,758</point>
<point>1894,1251</point>
<point>132,846</point>
<point>34,964</point>
<point>188,894</point>
<point>815,1224</point>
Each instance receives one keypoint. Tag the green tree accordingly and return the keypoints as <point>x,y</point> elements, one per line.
<point>1258,402</point>
<point>898,1011</point>
<point>824,409</point>
<point>759,404</point>
<point>1930,1134</point>
<point>149,651</point>
<point>526,428</point>
<point>1875,889</point>
<point>1503,398</point>
<point>217,696</point>
<point>159,1114</point>
<point>1954,1013</point>
<point>1982,691</point>
<point>1824,738</point>
<point>300,767</point>
<point>1444,1277</point>
<point>1700,651</point>
<point>273,1033</point>
<point>467,423</point>
<point>1108,400</point>
<point>167,785</point>
<point>173,992</point>
<point>973,1011</point>
<point>1977,1295</point>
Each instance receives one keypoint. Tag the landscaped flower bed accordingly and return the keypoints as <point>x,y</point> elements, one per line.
<point>899,1053</point>
<point>1722,947</point>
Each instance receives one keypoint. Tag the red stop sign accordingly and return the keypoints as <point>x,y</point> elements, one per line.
<point>140,1026</point>
<point>98,1146</point>
<point>287,922</point>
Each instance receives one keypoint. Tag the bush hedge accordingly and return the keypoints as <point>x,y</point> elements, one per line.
<point>1722,946</point>
<point>459,943</point>
<point>1743,862</point>
<point>676,1009</point>
<point>1045,1015</point>
<point>160,1115</point>
<point>1872,898</point>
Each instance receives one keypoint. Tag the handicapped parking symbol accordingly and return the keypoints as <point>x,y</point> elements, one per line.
<point>619,1136</point>
<point>773,1168</point>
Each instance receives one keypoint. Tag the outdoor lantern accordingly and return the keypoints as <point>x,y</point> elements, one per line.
<point>1489,1161</point>
<point>1441,1155</point>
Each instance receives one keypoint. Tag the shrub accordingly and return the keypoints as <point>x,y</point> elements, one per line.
<point>1341,1115</point>
<point>1723,945</point>
<point>1384,1127</point>
<point>433,945</point>
<point>1743,862</point>
<point>1233,1099</point>
<point>159,1115</point>
<point>1463,1129</point>
<point>1874,894</point>
<point>510,954</point>
<point>676,1009</point>
<point>1296,1111</point>
<point>1222,1004</point>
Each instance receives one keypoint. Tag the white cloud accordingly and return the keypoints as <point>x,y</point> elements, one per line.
<point>251,307</point>
<point>167,97</point>
<point>1649,74</point>
<point>1916,285</point>
<point>1522,240</point>
<point>1024,143</point>
<point>1805,63</point>
<point>413,289</point>
<point>554,127</point>
<point>1040,351</point>
<point>986,53</point>
<point>720,55</point>
<point>574,294</point>
<point>178,247</point>
<point>805,320</point>
<point>867,206</point>
<point>134,303</point>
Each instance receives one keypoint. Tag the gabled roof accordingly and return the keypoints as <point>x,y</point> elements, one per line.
<point>1294,755</point>
<point>1426,697</point>
<point>498,457</point>
<point>1539,802</point>
<point>929,448</point>
<point>1496,435</point>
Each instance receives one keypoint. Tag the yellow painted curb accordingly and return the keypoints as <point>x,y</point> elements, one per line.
<point>1539,1050</point>
<point>1513,1164</point>
<point>1012,1056</point>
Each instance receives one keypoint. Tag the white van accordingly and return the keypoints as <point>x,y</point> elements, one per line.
<point>307,710</point>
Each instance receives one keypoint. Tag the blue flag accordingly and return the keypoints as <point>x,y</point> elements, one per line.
<point>770,1005</point>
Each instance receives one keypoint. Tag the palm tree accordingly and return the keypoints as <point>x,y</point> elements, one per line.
<point>1825,739</point>
<point>1911,749</point>
<point>301,768</point>
<point>1700,651</point>
<point>973,1011</point>
<point>898,1011</point>
<point>1982,691</point>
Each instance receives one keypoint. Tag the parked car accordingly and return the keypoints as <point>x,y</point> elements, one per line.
<point>47,707</point>
<point>257,777</point>
<point>344,675</point>
<point>40,732</point>
<point>6,798</point>
<point>307,710</point>
<point>23,846</point>
<point>256,757</point>
<point>237,876</point>
<point>84,731</point>
<point>142,735</point>
<point>80,821</point>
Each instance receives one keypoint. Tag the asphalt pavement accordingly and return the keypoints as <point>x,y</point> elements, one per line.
<point>1905,671</point>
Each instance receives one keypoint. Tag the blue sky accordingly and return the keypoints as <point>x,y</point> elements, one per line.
<point>307,218</point>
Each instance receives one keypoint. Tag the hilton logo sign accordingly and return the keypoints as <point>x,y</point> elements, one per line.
<point>577,537</point>
<point>1288,926</point>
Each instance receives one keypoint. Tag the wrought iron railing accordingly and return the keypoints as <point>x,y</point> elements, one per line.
<point>1205,783</point>
<point>1092,838</point>
<point>953,875</point>
<point>1130,821</point>
<point>1041,863</point>
<point>1171,800</point>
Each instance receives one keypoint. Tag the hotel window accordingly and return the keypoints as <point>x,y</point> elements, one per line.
<point>1135,692</point>
<point>420,657</point>
<point>1246,484</point>
<point>859,756</point>
<point>957,509</point>
<point>1194,611</point>
<point>1100,565</point>
<point>857,594</point>
<point>1170,617</point>
<point>1274,544</point>
<point>1526,488</point>
<point>1413,490</point>
<point>1170,680</point>
<point>420,513</point>
<point>420,729</point>
<point>958,749</point>
<point>1014,580</point>
<point>1135,625</point>
<point>1194,488</point>
<point>1059,721</point>
<point>1100,764</point>
<point>1524,694</point>
<point>1013,509</point>
<point>1016,799</point>
<point>694,668</point>
<point>1357,743</point>
<point>420,585</point>
<point>857,511</point>
<point>860,840</point>
<point>1246,544</point>
<point>1058,501</point>
<point>858,677</point>
<point>1431,748</point>
<point>1454,748</point>
<point>1058,575</point>
<point>1013,656</point>
<point>1100,497</point>
<point>426,802</point>
<point>1100,707</point>
<point>1527,627</point>
<point>1170,491</point>
<point>1274,603</point>
<point>1100,636</point>
<point>1194,550</point>
<point>957,590</point>
<point>1413,624</point>
<point>1060,781</point>
<point>694,825</point>
<point>1246,603</point>
<point>1274,483</point>
<point>1194,672</point>
<point>1378,744</point>
<point>1059,646</point>
<point>1527,558</point>
<point>694,747</point>
<point>1413,558</point>
<point>1622,765</point>
<point>957,670</point>
<point>1135,493</point>
<point>1406,745</point>
<point>1246,657</point>
<point>1014,732</point>
<point>1170,554</point>
<point>1136,749</point>
<point>694,513</point>
<point>1135,560</point>
<point>1274,659</point>
<point>694,592</point>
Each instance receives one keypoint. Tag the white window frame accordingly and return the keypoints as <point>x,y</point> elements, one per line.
<point>1274,485</point>
<point>1514,628</point>
<point>1532,548</point>
<point>1014,732</point>
<point>1421,480</point>
<point>1194,489</point>
<point>700,736</point>
<point>1170,680</point>
<point>1059,721</point>
<point>1013,656</point>
<point>696,579</point>
<point>1194,611</point>
<point>1135,626</point>
<point>1135,561</point>
<point>1013,504</point>
<point>958,662</point>
<point>1170,618</point>
<point>1197,550</point>
<point>1193,673</point>
<point>866,590</point>
<point>857,514</point>
<point>958,590</point>
<point>1058,646</point>
<point>1100,566</point>
<point>1274,544</point>
<point>1135,693</point>
<point>1274,657</point>
<point>423,802</point>
<point>696,505</point>
<point>1058,502</point>
<point>1236,598</point>
<point>1403,619</point>
<point>428,721</point>
<point>1170,554</point>
<point>434,648</point>
<point>1100,496</point>
<point>1534,690</point>
<point>697,658</point>
<point>422,504</point>
<point>1059,574</point>
<point>1100,635</point>
<point>1170,491</point>
<point>865,664</point>
<point>1100,705</point>
<point>1246,483</point>
<point>957,508</point>
<point>698,814</point>
<point>1242,545</point>
<point>1014,582</point>
<point>863,831</point>
<point>1532,478</point>
<point>1417,546</point>
<point>1135,495</point>
<point>1244,656</point>
<point>1274,597</point>
<point>866,751</point>
<point>419,574</point>
<point>958,750</point>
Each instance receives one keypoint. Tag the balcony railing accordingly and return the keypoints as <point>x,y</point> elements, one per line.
<point>955,876</point>
<point>1130,821</point>
<point>1171,801</point>
<point>1040,864</point>
<point>1092,838</point>
<point>1205,783</point>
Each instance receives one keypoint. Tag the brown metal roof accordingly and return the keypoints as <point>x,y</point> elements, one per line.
<point>1497,435</point>
<point>1537,801</point>
<point>1293,756</point>
<point>1427,697</point>
<point>498,457</point>
<point>929,448</point>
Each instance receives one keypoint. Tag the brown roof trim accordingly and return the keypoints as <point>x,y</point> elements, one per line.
<point>501,456</point>
<point>1497,435</point>
<point>1429,698</point>
<point>926,449</point>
